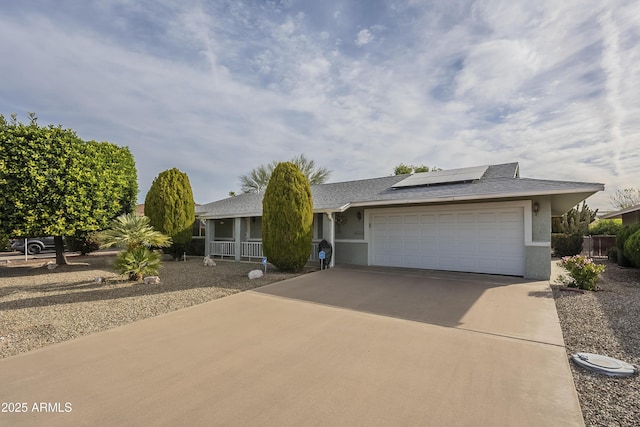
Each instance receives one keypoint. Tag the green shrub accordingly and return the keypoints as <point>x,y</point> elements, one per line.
<point>566,244</point>
<point>196,247</point>
<point>621,238</point>
<point>82,242</point>
<point>171,210</point>
<point>135,233</point>
<point>575,221</point>
<point>624,233</point>
<point>632,248</point>
<point>138,262</point>
<point>131,231</point>
<point>583,272</point>
<point>4,244</point>
<point>605,227</point>
<point>612,254</point>
<point>287,218</point>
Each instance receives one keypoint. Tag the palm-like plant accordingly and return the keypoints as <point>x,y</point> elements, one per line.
<point>257,180</point>
<point>131,231</point>
<point>138,262</point>
<point>135,233</point>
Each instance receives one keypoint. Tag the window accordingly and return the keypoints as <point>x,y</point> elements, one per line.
<point>223,228</point>
<point>199,227</point>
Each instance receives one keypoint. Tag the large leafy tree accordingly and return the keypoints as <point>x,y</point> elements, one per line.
<point>170,207</point>
<point>257,179</point>
<point>52,183</point>
<point>287,210</point>
<point>625,198</point>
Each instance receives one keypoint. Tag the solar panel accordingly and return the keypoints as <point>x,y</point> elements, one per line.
<point>442,177</point>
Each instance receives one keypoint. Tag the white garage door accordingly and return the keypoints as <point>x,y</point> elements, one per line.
<point>481,240</point>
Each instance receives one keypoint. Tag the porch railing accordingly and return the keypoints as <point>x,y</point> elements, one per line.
<point>223,249</point>
<point>251,250</point>
<point>314,252</point>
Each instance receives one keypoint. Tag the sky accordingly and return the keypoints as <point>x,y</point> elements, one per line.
<point>217,88</point>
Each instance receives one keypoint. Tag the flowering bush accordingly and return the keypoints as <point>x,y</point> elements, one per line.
<point>582,270</point>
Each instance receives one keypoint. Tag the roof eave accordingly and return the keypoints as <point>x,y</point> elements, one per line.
<point>467,198</point>
<point>209,215</point>
<point>619,213</point>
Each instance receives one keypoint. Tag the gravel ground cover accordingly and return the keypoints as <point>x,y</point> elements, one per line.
<point>605,322</point>
<point>39,306</point>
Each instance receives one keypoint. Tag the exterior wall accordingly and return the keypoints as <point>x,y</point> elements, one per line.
<point>541,221</point>
<point>538,251</point>
<point>352,253</point>
<point>223,229</point>
<point>631,218</point>
<point>325,232</point>
<point>318,226</point>
<point>255,228</point>
<point>244,228</point>
<point>537,263</point>
<point>350,224</point>
<point>351,247</point>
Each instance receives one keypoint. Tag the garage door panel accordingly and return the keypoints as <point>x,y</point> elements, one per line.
<point>396,219</point>
<point>428,219</point>
<point>446,218</point>
<point>487,240</point>
<point>466,218</point>
<point>411,219</point>
<point>487,217</point>
<point>509,217</point>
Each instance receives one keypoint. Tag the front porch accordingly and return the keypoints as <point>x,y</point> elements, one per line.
<point>248,250</point>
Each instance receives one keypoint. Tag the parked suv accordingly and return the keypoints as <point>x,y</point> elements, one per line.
<point>35,245</point>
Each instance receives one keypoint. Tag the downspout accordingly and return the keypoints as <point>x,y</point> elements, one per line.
<point>332,238</point>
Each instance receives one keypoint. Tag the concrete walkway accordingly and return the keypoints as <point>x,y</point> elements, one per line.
<point>343,347</point>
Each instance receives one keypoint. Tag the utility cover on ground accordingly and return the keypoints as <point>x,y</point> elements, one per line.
<point>605,364</point>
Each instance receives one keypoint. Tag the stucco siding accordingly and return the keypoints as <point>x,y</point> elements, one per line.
<point>350,224</point>
<point>537,263</point>
<point>352,253</point>
<point>631,218</point>
<point>541,221</point>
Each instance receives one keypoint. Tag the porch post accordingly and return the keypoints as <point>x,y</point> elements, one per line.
<point>237,230</point>
<point>332,238</point>
<point>209,235</point>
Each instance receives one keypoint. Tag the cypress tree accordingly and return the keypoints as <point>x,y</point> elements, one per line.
<point>170,207</point>
<point>287,210</point>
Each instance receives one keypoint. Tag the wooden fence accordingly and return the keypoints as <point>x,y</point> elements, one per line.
<point>597,246</point>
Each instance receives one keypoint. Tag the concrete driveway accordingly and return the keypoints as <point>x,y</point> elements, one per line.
<point>347,346</point>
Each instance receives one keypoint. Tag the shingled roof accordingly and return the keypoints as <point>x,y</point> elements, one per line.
<point>498,182</point>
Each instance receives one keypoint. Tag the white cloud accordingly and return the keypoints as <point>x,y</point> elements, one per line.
<point>218,88</point>
<point>494,71</point>
<point>364,37</point>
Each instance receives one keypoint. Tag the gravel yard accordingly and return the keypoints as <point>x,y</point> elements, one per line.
<point>40,306</point>
<point>605,322</point>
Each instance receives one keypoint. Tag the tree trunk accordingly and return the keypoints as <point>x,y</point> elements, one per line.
<point>61,258</point>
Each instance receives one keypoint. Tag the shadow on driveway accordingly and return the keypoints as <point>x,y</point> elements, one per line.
<point>427,296</point>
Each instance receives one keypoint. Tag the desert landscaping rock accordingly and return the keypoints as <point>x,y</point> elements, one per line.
<point>39,307</point>
<point>605,322</point>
